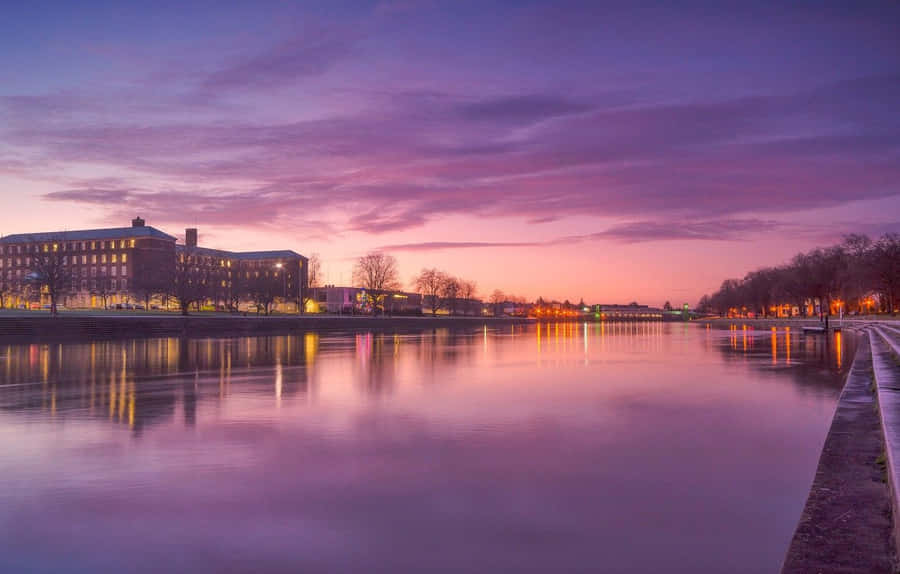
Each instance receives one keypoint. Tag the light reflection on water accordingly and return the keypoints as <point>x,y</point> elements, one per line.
<point>577,447</point>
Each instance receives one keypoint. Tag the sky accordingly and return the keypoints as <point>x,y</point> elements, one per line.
<point>610,151</point>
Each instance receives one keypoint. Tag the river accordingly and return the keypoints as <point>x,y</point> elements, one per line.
<point>641,447</point>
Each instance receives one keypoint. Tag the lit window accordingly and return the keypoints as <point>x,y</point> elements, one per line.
<point>93,259</point>
<point>131,243</point>
<point>124,258</point>
<point>103,258</point>
<point>114,258</point>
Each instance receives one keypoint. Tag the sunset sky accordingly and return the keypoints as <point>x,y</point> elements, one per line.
<point>559,149</point>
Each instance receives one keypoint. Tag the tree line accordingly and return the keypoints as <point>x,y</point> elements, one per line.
<point>857,275</point>
<point>378,273</point>
<point>192,282</point>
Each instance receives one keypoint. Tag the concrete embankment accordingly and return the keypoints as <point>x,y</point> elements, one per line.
<point>886,371</point>
<point>798,323</point>
<point>24,328</point>
<point>846,523</point>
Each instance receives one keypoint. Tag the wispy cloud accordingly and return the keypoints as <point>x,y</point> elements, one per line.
<point>632,232</point>
<point>309,53</point>
<point>442,245</point>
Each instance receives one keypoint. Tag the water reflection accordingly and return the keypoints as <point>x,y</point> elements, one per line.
<point>808,358</point>
<point>140,382</point>
<point>543,448</point>
<point>128,382</point>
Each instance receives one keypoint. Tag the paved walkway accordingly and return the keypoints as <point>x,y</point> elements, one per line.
<point>846,523</point>
<point>886,369</point>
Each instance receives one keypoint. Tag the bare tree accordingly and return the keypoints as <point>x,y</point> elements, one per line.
<point>236,287</point>
<point>313,277</point>
<point>467,291</point>
<point>103,291</point>
<point>848,274</point>
<point>49,271</point>
<point>377,273</point>
<point>188,285</point>
<point>450,293</point>
<point>886,266</point>
<point>430,284</point>
<point>6,290</point>
<point>263,287</point>
<point>497,299</point>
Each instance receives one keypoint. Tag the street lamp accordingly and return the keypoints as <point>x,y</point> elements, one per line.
<point>284,277</point>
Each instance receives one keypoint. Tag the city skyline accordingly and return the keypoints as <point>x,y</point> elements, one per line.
<point>542,150</point>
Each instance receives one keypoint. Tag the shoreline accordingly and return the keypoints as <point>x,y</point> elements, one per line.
<point>799,321</point>
<point>44,328</point>
<point>846,524</point>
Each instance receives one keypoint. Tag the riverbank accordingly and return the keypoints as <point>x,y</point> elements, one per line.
<point>846,522</point>
<point>799,322</point>
<point>42,327</point>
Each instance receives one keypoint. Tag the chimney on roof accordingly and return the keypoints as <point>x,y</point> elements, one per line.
<point>137,222</point>
<point>190,237</point>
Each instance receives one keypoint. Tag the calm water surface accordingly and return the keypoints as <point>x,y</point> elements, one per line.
<point>568,448</point>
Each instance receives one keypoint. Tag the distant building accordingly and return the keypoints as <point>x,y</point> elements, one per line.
<point>125,265</point>
<point>358,301</point>
<point>457,306</point>
<point>336,300</point>
<point>627,312</point>
<point>103,263</point>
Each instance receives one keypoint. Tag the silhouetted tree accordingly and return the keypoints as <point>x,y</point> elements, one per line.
<point>313,277</point>
<point>885,262</point>
<point>377,273</point>
<point>852,272</point>
<point>450,293</point>
<point>263,287</point>
<point>6,290</point>
<point>497,300</point>
<point>189,281</point>
<point>48,271</point>
<point>430,284</point>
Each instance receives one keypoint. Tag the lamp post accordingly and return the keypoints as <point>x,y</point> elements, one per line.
<point>279,266</point>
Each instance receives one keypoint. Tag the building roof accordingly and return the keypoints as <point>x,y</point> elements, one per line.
<point>244,255</point>
<point>284,254</point>
<point>80,235</point>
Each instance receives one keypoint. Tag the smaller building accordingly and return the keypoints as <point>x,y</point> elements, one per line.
<point>627,312</point>
<point>358,301</point>
<point>334,300</point>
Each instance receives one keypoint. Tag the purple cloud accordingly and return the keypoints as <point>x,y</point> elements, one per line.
<point>310,53</point>
<point>520,108</point>
<point>441,245</point>
<point>413,152</point>
<point>714,230</point>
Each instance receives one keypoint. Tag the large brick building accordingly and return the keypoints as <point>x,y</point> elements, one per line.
<point>110,267</point>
